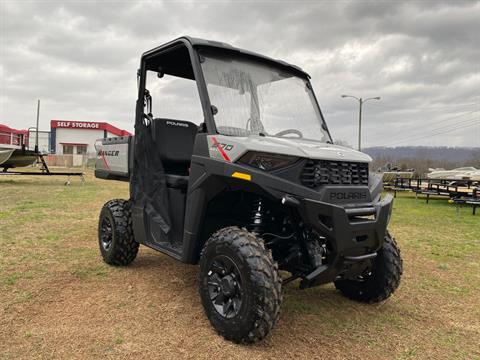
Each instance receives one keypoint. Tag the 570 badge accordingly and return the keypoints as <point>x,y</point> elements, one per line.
<point>221,147</point>
<point>226,147</point>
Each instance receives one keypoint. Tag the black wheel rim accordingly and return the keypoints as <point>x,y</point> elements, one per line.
<point>225,286</point>
<point>106,236</point>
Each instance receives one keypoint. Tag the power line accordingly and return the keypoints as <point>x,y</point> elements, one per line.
<point>441,127</point>
<point>438,131</point>
<point>428,136</point>
<point>454,125</point>
<point>457,116</point>
<point>444,131</point>
<point>434,107</point>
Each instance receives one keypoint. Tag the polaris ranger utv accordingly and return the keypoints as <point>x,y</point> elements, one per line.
<point>253,187</point>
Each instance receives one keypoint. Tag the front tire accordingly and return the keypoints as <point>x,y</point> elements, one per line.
<point>239,285</point>
<point>115,234</point>
<point>382,280</point>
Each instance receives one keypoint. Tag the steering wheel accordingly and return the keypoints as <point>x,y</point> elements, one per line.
<point>290,131</point>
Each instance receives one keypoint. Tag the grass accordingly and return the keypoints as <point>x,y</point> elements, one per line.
<point>59,300</point>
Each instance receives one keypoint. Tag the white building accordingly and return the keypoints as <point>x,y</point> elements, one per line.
<point>78,137</point>
<point>44,144</point>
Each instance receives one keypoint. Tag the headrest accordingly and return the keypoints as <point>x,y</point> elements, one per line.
<point>174,123</point>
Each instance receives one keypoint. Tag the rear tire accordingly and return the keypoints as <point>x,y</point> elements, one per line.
<point>239,285</point>
<point>115,234</point>
<point>383,279</point>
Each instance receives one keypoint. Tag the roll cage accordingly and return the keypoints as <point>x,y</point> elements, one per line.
<point>190,68</point>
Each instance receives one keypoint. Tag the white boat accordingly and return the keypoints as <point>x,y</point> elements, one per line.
<point>5,153</point>
<point>9,142</point>
<point>13,152</point>
<point>461,173</point>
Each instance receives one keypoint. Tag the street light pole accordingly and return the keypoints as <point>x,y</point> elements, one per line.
<point>360,105</point>
<point>360,124</point>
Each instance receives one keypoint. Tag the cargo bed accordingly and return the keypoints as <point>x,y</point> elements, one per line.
<point>114,158</point>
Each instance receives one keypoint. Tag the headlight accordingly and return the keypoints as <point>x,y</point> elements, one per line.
<point>267,161</point>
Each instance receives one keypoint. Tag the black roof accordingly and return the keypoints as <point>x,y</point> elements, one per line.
<point>221,45</point>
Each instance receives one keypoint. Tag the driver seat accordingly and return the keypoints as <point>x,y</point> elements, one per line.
<point>174,140</point>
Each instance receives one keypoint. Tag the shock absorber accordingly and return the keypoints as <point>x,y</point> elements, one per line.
<point>256,224</point>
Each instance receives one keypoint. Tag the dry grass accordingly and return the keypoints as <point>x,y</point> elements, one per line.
<point>59,300</point>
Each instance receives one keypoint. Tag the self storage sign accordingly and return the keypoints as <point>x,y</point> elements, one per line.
<point>77,125</point>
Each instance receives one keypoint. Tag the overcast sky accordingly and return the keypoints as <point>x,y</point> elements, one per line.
<point>422,58</point>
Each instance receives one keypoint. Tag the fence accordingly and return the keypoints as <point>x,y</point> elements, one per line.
<point>71,160</point>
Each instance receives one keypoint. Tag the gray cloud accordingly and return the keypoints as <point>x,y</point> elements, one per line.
<point>421,57</point>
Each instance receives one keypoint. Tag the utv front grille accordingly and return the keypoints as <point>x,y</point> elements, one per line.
<point>325,172</point>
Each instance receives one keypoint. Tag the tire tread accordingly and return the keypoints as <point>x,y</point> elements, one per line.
<point>378,288</point>
<point>125,248</point>
<point>264,276</point>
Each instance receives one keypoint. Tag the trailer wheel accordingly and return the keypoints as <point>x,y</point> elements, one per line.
<point>239,285</point>
<point>115,234</point>
<point>383,279</point>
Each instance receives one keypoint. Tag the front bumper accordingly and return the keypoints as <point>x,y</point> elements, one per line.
<point>354,233</point>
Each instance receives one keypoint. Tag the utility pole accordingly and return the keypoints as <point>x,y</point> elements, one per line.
<point>360,105</point>
<point>36,130</point>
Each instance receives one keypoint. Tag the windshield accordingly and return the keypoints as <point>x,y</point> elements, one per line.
<point>254,98</point>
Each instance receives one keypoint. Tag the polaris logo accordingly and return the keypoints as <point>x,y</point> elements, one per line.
<point>348,195</point>
<point>108,153</point>
<point>176,123</point>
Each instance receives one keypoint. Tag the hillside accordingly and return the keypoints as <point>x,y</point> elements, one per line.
<point>422,158</point>
<point>444,153</point>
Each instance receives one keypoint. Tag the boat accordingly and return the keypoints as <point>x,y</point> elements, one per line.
<point>461,173</point>
<point>15,153</point>
<point>390,176</point>
<point>5,153</point>
<point>13,150</point>
<point>389,173</point>
<point>20,158</point>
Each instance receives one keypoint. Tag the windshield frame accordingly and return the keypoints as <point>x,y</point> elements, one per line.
<point>282,66</point>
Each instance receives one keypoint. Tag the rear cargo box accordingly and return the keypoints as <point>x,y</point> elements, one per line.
<point>114,158</point>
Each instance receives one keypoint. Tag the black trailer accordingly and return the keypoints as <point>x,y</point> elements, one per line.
<point>43,171</point>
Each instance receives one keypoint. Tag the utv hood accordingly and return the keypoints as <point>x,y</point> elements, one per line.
<point>238,146</point>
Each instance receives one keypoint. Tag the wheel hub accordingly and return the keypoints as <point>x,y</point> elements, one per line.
<point>225,286</point>
<point>106,236</point>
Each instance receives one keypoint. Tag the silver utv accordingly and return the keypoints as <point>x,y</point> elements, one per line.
<point>253,190</point>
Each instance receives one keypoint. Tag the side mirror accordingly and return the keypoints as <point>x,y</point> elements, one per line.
<point>202,128</point>
<point>160,72</point>
<point>214,110</point>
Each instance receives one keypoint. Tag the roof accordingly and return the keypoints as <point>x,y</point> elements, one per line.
<point>73,143</point>
<point>221,45</point>
<point>88,125</point>
<point>8,129</point>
